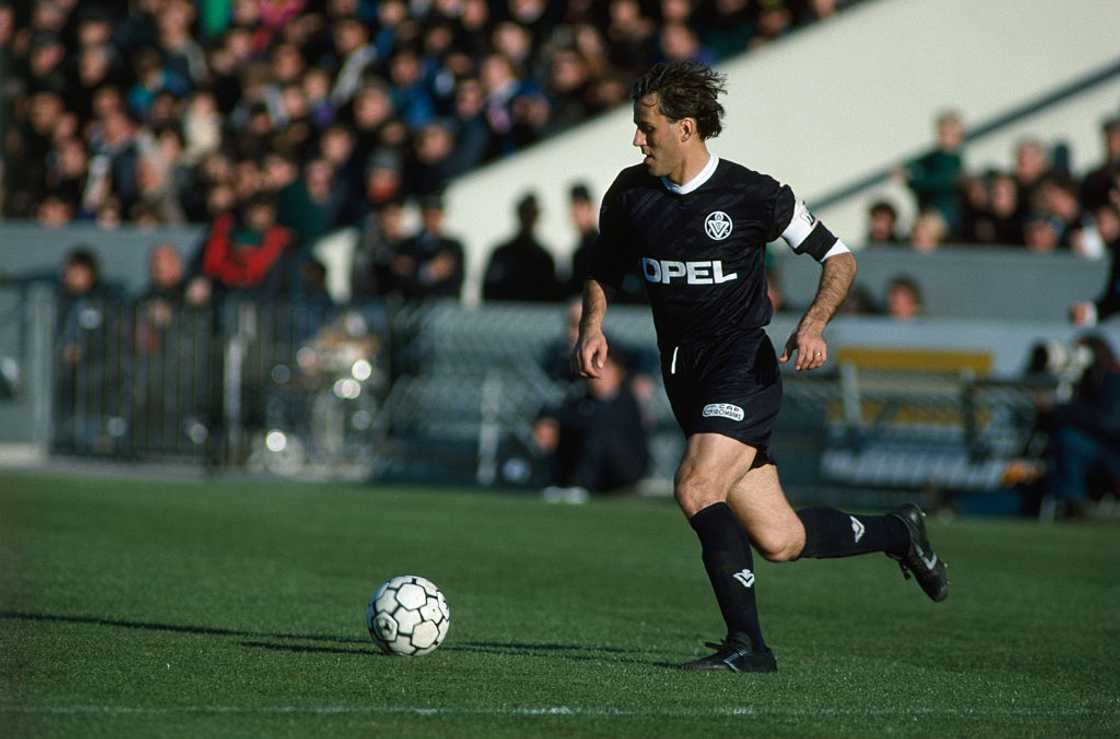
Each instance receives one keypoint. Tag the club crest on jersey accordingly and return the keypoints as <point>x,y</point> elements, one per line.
<point>718,225</point>
<point>723,410</point>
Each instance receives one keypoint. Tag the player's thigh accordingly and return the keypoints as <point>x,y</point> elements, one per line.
<point>771,523</point>
<point>712,465</point>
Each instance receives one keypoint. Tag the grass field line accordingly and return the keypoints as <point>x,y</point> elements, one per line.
<point>530,711</point>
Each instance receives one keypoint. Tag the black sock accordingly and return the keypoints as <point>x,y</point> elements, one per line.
<point>833,533</point>
<point>727,558</point>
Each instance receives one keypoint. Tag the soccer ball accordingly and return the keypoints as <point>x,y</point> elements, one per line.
<point>408,615</point>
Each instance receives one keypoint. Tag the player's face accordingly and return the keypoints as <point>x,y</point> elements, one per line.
<point>657,137</point>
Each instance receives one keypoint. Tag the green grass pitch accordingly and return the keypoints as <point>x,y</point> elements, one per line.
<point>153,609</point>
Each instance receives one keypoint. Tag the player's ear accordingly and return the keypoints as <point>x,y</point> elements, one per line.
<point>688,129</point>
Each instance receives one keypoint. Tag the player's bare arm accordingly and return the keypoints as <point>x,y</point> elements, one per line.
<point>807,340</point>
<point>590,353</point>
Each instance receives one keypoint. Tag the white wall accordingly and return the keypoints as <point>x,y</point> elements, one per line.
<point>837,101</point>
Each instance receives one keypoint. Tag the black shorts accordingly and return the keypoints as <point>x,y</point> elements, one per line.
<point>730,387</point>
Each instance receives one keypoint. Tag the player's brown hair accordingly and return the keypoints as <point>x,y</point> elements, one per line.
<point>685,90</point>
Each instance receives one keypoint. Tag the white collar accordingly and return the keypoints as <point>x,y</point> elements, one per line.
<point>701,177</point>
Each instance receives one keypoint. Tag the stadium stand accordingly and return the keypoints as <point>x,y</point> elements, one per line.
<point>168,112</point>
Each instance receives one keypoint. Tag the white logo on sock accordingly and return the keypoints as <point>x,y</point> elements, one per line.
<point>745,578</point>
<point>857,528</point>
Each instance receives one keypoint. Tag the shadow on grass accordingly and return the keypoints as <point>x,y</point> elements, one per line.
<point>301,648</point>
<point>585,652</point>
<point>582,652</point>
<point>573,652</point>
<point>173,628</point>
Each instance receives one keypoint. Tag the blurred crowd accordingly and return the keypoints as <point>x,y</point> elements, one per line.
<point>1037,202</point>
<point>170,111</point>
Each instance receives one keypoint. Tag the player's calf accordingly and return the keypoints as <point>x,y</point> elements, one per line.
<point>833,533</point>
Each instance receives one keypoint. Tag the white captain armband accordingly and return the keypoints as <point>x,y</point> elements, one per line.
<point>806,235</point>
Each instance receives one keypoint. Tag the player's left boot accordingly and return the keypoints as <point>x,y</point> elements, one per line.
<point>733,656</point>
<point>920,559</point>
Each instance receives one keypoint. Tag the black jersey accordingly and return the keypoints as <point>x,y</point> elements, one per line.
<point>701,251</point>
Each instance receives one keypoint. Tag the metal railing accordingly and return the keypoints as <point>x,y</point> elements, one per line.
<point>434,393</point>
<point>284,387</point>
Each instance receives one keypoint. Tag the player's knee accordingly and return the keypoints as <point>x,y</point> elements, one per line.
<point>781,546</point>
<point>695,491</point>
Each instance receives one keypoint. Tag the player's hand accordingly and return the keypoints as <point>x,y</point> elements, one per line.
<point>589,354</point>
<point>810,347</point>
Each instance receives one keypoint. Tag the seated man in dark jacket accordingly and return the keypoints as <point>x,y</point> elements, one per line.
<point>1085,432</point>
<point>596,440</point>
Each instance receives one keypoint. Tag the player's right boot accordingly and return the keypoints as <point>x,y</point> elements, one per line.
<point>920,559</point>
<point>733,656</point>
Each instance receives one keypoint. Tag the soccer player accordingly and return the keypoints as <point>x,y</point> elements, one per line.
<point>696,228</point>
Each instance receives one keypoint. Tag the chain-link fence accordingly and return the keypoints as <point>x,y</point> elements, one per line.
<point>436,393</point>
<point>283,387</point>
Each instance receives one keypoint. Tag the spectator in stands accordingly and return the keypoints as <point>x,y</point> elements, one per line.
<point>935,177</point>
<point>1056,199</point>
<point>811,11</point>
<point>1085,432</point>
<point>81,304</point>
<point>974,206</point>
<point>1032,163</point>
<point>1101,186</point>
<point>521,269</point>
<point>631,36</point>
<point>860,302</point>
<point>383,232</point>
<point>928,231</point>
<point>158,305</point>
<point>165,274</point>
<point>999,223</point>
<point>384,178</point>
<point>569,89</point>
<point>315,307</point>
<point>430,264</point>
<point>472,137</point>
<point>86,328</point>
<point>678,42</point>
<point>353,53</point>
<point>1043,233</point>
<point>1108,304</point>
<point>556,360</point>
<point>729,27</point>
<point>67,174</point>
<point>243,254</point>
<point>434,159</point>
<point>117,157</point>
<point>596,442</point>
<point>585,219</point>
<point>309,205</point>
<point>54,212</point>
<point>904,298</point>
<point>882,220</point>
<point>774,20</point>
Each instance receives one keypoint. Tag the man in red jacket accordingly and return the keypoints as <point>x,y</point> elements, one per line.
<point>242,254</point>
